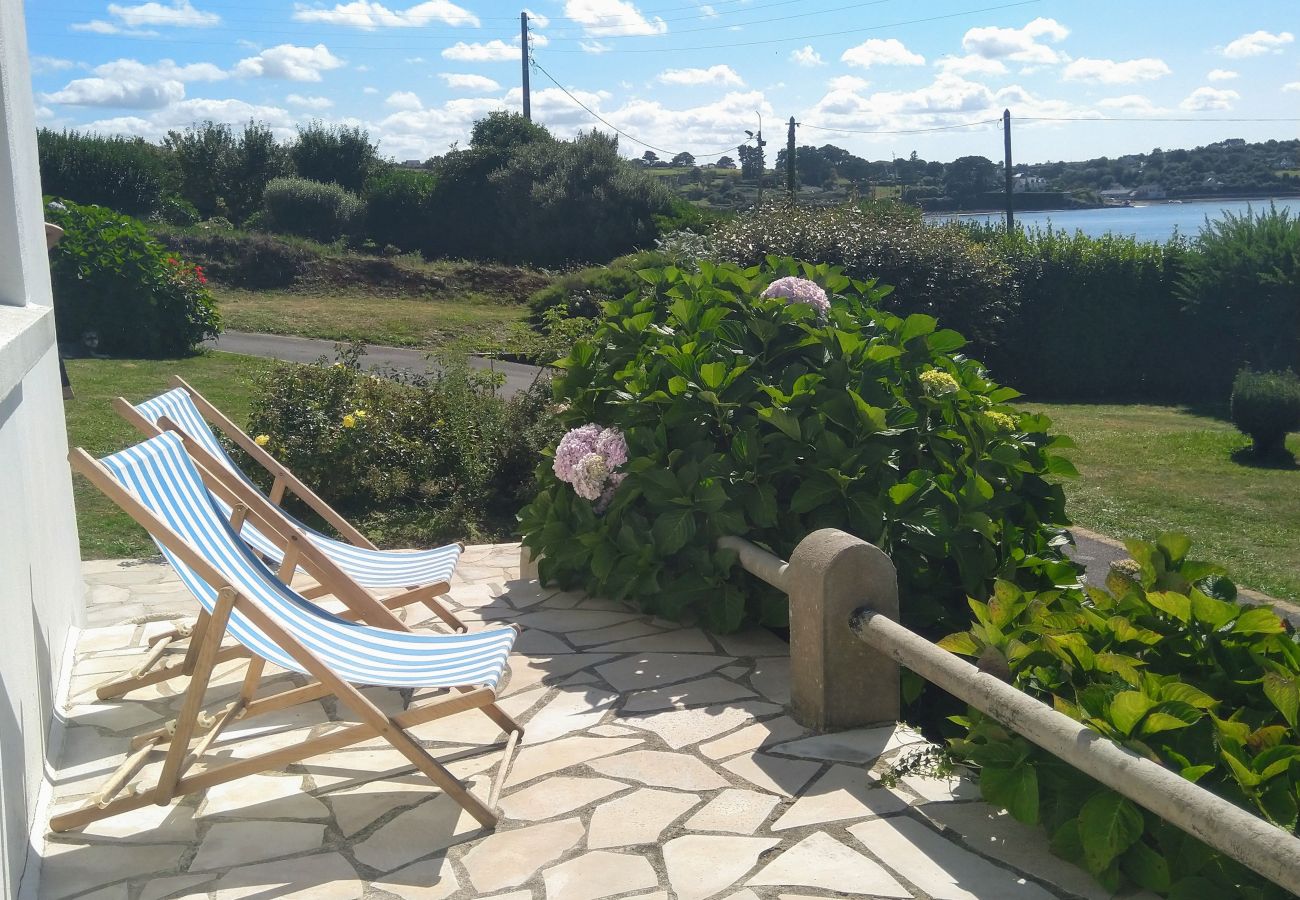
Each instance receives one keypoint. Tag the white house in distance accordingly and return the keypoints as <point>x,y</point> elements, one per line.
<point>40,567</point>
<point>1024,184</point>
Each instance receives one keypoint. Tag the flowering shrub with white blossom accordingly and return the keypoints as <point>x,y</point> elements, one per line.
<point>767,402</point>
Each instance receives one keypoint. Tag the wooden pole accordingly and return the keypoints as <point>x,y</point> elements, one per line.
<point>1010,184</point>
<point>789,161</point>
<point>523,51</point>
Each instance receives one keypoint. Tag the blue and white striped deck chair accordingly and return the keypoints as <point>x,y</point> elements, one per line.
<point>368,566</point>
<point>158,484</point>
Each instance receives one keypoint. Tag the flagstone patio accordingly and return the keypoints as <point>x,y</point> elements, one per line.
<point>658,762</point>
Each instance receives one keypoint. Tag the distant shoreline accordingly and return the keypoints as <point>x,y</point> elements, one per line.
<point>1175,201</point>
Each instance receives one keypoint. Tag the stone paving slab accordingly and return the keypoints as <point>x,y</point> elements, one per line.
<point>658,762</point>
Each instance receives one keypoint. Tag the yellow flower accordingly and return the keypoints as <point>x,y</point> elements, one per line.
<point>937,382</point>
<point>360,413</point>
<point>1002,421</point>
<point>262,440</point>
<point>349,421</point>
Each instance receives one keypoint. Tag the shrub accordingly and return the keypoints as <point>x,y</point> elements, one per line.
<point>935,269</point>
<point>1244,283</point>
<point>398,211</point>
<point>1166,664</point>
<point>419,461</point>
<point>334,154</point>
<point>112,280</point>
<point>201,154</point>
<point>176,211</point>
<point>1266,405</point>
<point>1099,319</point>
<point>252,162</point>
<point>310,209</point>
<point>583,293</point>
<point>125,174</point>
<point>749,416</point>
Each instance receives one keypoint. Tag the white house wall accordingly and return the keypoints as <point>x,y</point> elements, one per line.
<point>40,575</point>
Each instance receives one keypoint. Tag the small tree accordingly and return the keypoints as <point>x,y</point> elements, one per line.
<point>751,161</point>
<point>253,160</point>
<point>201,153</point>
<point>726,162</point>
<point>649,158</point>
<point>335,154</point>
<point>684,160</point>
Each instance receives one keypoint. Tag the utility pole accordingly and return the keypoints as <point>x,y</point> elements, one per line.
<point>762,163</point>
<point>1006,139</point>
<point>789,160</point>
<point>523,51</point>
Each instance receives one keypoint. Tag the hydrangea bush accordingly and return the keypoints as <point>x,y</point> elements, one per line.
<point>767,402</point>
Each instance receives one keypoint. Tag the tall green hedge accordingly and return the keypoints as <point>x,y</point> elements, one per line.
<point>125,174</point>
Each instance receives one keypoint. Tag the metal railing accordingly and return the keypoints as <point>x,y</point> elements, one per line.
<point>839,603</point>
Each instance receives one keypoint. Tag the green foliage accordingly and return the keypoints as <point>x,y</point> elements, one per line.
<point>1266,405</point>
<point>1109,306</point>
<point>244,259</point>
<point>334,154</point>
<point>420,460</point>
<point>398,210</point>
<point>176,211</point>
<point>201,154</point>
<point>583,293</point>
<point>253,160</point>
<point>1167,664</point>
<point>126,174</point>
<point>310,209</point>
<point>1244,283</point>
<point>115,282</point>
<point>936,270</point>
<point>747,416</point>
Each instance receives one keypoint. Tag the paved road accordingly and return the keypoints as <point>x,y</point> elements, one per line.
<point>306,350</point>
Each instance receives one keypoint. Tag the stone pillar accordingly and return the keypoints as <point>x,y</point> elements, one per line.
<point>837,681</point>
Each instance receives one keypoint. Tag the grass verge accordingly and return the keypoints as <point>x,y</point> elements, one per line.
<point>1148,469</point>
<point>224,378</point>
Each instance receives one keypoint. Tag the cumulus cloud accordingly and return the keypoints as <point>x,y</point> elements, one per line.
<point>368,15</point>
<point>465,82</point>
<point>316,104</point>
<point>163,70</point>
<point>178,14</point>
<point>1208,99</point>
<point>1027,44</point>
<point>594,47</point>
<point>1133,104</point>
<point>1257,43</point>
<point>99,26</point>
<point>536,19</point>
<point>155,125</point>
<point>44,64</point>
<point>807,57</point>
<point>608,18</point>
<point>878,52</point>
<point>970,64</point>
<point>1222,75</point>
<point>113,92</point>
<point>1109,71</point>
<point>720,74</point>
<point>848,83</point>
<point>1292,87</point>
<point>404,100</point>
<point>290,62</point>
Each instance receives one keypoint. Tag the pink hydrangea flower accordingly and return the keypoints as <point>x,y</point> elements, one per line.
<point>800,290</point>
<point>587,457</point>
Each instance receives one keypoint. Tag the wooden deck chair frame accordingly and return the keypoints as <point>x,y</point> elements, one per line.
<point>175,740</point>
<point>249,506</point>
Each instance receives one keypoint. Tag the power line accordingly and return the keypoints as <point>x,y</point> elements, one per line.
<point>902,131</point>
<point>1193,119</point>
<point>599,118</point>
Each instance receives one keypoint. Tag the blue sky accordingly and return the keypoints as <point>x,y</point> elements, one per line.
<point>683,74</point>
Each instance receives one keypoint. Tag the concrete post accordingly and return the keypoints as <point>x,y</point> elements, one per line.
<point>837,681</point>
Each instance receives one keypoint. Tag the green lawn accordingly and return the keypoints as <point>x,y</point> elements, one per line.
<point>224,378</point>
<point>1147,469</point>
<point>472,321</point>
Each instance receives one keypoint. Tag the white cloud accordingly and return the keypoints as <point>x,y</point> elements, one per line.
<point>1207,99</point>
<point>289,61</point>
<point>1257,43</point>
<point>1292,87</point>
<point>606,18</point>
<point>1135,104</point>
<point>536,19</point>
<point>188,112</point>
<point>878,52</point>
<point>313,103</point>
<point>368,15</point>
<point>848,83</point>
<point>163,70</point>
<point>1222,75</point>
<point>971,64</point>
<point>495,50</point>
<point>719,74</point>
<point>807,57</point>
<point>99,26</point>
<point>1018,44</point>
<point>404,100</point>
<point>466,82</point>
<point>112,92</point>
<point>369,90</point>
<point>1109,71</point>
<point>595,47</point>
<point>178,14</point>
<point>43,64</point>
